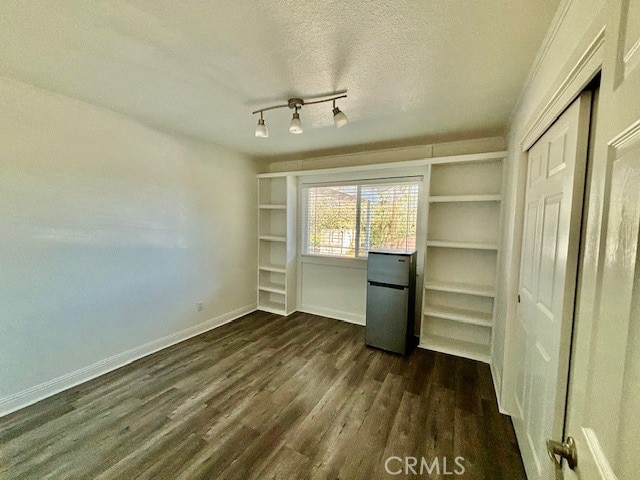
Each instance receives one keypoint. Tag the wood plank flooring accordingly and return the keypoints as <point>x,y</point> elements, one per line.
<point>268,397</point>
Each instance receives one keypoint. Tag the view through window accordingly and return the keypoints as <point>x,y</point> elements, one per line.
<point>350,220</point>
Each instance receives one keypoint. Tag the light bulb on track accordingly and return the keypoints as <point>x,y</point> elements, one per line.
<point>261,129</point>
<point>339,118</point>
<point>295,126</point>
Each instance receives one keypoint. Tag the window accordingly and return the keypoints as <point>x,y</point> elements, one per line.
<point>348,220</point>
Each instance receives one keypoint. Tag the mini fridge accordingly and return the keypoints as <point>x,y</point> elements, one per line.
<point>391,280</point>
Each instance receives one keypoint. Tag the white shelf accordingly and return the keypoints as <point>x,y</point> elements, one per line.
<point>272,287</point>
<point>266,206</point>
<point>463,225</point>
<point>459,348</point>
<point>449,159</point>
<point>465,198</point>
<point>276,289</point>
<point>468,245</point>
<point>472,317</point>
<point>273,302</point>
<point>273,268</point>
<point>459,287</point>
<point>272,307</point>
<point>273,238</point>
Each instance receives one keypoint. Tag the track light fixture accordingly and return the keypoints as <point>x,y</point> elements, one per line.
<point>261,130</point>
<point>295,127</point>
<point>339,118</point>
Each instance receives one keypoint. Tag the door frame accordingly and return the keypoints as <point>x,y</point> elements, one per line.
<point>583,66</point>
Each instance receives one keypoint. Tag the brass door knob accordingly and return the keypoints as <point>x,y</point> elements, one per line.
<point>567,450</point>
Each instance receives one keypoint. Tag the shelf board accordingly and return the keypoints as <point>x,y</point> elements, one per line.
<point>467,245</point>
<point>459,348</point>
<point>472,317</point>
<point>459,287</point>
<point>449,159</point>
<point>272,307</point>
<point>272,206</point>
<point>273,268</point>
<point>273,238</point>
<point>465,198</point>
<point>272,287</point>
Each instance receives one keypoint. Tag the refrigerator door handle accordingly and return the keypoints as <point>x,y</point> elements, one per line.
<point>387,285</point>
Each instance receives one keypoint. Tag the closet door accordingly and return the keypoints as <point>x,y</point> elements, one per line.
<point>605,380</point>
<point>551,237</point>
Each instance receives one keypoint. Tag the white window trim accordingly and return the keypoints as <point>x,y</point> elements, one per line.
<point>357,182</point>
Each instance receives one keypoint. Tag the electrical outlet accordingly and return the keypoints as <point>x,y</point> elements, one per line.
<point>200,306</point>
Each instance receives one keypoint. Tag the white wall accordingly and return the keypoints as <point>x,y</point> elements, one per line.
<point>576,24</point>
<point>110,232</point>
<point>334,288</point>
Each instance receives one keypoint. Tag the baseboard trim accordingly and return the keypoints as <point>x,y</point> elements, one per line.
<point>497,387</point>
<point>335,314</point>
<point>47,389</point>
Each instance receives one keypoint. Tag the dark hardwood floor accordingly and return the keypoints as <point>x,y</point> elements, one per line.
<point>268,397</point>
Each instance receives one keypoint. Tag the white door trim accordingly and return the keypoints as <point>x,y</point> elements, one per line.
<point>579,77</point>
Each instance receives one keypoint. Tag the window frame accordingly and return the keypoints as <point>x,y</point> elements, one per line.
<point>358,183</point>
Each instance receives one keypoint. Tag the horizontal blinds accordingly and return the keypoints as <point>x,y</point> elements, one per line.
<point>331,220</point>
<point>388,214</point>
<point>349,220</point>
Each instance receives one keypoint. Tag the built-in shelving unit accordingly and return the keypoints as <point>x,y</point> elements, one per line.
<point>276,243</point>
<point>463,231</point>
<point>463,202</point>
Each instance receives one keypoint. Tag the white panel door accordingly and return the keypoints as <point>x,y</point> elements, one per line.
<point>604,393</point>
<point>551,233</point>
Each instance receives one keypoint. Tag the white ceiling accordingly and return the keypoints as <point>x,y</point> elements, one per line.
<point>421,70</point>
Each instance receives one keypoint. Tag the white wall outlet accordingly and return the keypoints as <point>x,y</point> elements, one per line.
<point>200,306</point>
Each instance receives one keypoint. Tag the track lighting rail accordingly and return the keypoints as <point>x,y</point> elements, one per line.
<point>288,104</point>
<point>339,118</point>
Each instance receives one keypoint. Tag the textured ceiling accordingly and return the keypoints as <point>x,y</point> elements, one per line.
<point>414,70</point>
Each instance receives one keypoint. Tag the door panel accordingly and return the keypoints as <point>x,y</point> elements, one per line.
<point>556,161</point>
<point>605,387</point>
<point>547,281</point>
<point>549,250</point>
<point>629,47</point>
<point>625,225</point>
<point>528,258</point>
<point>614,425</point>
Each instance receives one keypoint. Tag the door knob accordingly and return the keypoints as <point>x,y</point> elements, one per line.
<point>566,450</point>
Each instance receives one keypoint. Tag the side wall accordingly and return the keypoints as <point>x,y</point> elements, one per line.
<point>110,233</point>
<point>576,24</point>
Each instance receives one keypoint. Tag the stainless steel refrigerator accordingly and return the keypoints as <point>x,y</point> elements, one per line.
<point>391,280</point>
